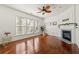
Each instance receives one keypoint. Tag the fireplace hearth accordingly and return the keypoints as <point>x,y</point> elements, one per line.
<point>66,34</point>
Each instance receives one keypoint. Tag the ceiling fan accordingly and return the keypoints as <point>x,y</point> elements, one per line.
<point>45,9</point>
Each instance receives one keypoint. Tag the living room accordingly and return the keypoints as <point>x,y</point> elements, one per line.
<point>19,22</point>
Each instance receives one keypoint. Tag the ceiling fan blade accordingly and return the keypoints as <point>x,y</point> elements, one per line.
<point>48,11</point>
<point>39,8</point>
<point>47,7</point>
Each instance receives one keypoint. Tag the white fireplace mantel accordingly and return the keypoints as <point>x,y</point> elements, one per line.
<point>70,28</point>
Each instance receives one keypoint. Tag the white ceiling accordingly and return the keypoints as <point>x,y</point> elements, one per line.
<point>33,8</point>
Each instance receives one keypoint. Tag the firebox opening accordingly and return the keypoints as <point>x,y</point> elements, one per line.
<point>66,34</point>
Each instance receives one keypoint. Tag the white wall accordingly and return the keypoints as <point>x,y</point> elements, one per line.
<point>8,18</point>
<point>50,28</point>
<point>53,29</point>
<point>68,14</point>
<point>56,31</point>
<point>77,21</point>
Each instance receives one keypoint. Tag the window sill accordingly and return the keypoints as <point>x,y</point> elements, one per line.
<point>26,34</point>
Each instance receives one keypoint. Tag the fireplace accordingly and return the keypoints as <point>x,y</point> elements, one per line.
<point>66,34</point>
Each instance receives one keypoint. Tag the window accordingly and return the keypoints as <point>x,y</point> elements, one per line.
<point>30,26</point>
<point>26,26</point>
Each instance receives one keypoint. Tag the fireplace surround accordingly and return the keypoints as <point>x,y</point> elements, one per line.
<point>68,33</point>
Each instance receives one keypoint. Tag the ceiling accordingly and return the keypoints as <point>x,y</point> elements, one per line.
<point>33,8</point>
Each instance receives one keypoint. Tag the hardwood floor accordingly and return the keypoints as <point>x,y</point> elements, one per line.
<point>39,45</point>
